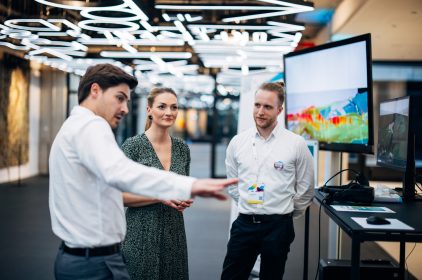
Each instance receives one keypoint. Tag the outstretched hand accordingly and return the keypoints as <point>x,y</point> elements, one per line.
<point>212,187</point>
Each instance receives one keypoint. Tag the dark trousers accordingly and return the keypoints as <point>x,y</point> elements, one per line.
<point>268,235</point>
<point>71,267</point>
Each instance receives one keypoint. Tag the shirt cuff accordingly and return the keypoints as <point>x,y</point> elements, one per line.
<point>183,187</point>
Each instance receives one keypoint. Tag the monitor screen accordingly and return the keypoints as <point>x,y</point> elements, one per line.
<point>329,94</point>
<point>393,133</point>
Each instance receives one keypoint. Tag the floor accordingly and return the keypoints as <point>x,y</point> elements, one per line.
<point>28,246</point>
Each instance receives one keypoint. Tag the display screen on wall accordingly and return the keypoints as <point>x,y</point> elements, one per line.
<point>329,94</point>
<point>14,111</point>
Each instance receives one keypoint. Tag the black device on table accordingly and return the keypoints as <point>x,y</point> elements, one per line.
<point>377,220</point>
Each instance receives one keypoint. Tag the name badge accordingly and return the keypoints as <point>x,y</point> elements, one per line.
<point>256,194</point>
<point>278,165</point>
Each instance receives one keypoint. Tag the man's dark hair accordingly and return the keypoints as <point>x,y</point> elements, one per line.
<point>105,75</point>
<point>277,87</point>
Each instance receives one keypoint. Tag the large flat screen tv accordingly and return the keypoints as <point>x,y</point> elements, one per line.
<point>329,94</point>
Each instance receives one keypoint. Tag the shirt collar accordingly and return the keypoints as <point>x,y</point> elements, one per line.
<point>276,132</point>
<point>80,110</point>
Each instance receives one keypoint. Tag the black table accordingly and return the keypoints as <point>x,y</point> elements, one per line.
<point>409,213</point>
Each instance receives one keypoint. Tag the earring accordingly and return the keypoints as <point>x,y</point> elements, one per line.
<point>150,117</point>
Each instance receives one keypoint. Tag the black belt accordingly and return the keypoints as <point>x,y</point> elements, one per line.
<point>257,219</point>
<point>92,252</point>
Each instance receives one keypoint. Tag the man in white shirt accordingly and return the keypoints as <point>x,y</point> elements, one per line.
<point>89,172</point>
<point>275,169</point>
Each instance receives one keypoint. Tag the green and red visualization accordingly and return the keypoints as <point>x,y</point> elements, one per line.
<point>332,120</point>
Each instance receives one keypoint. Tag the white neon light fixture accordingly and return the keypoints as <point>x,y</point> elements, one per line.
<point>186,35</point>
<point>14,47</point>
<point>67,23</point>
<point>216,7</point>
<point>86,24</point>
<point>287,26</point>
<point>264,15</point>
<point>135,7</point>
<point>129,48</point>
<point>303,8</point>
<point>76,7</point>
<point>88,14</point>
<point>147,26</point>
<point>169,55</point>
<point>13,23</point>
<point>166,17</point>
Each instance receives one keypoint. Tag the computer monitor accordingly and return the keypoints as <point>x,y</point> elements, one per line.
<point>396,141</point>
<point>329,94</point>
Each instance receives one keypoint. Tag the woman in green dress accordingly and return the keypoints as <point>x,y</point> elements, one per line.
<point>155,244</point>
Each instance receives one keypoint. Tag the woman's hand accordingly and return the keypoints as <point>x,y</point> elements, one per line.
<point>179,205</point>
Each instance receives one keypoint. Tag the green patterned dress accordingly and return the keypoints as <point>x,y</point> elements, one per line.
<point>155,245</point>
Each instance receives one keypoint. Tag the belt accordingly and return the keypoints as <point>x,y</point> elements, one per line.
<point>92,252</point>
<point>257,219</point>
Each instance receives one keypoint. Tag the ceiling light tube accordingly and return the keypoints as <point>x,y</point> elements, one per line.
<point>264,15</point>
<point>166,17</point>
<point>66,22</point>
<point>88,14</point>
<point>52,52</point>
<point>129,48</point>
<point>73,6</point>
<point>233,27</point>
<point>124,35</point>
<point>284,3</point>
<point>14,47</point>
<point>287,25</point>
<point>86,24</point>
<point>180,17</point>
<point>52,34</point>
<point>109,37</point>
<point>48,26</point>
<point>79,46</point>
<point>216,7</point>
<point>169,55</point>
<point>135,7</point>
<point>147,26</point>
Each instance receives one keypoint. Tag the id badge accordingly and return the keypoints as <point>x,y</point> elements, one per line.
<point>256,194</point>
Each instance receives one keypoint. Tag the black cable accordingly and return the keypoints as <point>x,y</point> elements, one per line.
<point>405,260</point>
<point>341,171</point>
<point>319,237</point>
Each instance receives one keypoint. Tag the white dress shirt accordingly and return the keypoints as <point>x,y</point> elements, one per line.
<point>89,172</point>
<point>251,158</point>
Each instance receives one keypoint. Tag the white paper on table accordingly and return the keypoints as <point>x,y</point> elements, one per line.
<point>373,209</point>
<point>394,224</point>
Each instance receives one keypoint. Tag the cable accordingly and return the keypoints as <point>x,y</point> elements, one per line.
<point>319,237</point>
<point>405,260</point>
<point>341,171</point>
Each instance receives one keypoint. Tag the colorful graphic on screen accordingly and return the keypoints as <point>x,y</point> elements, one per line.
<point>339,116</point>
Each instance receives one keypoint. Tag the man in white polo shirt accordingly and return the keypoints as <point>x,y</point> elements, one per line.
<point>89,172</point>
<point>275,169</point>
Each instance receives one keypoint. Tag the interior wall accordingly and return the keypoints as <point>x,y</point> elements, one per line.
<point>53,109</point>
<point>31,167</point>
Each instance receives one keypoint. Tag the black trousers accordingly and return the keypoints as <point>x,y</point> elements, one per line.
<point>268,235</point>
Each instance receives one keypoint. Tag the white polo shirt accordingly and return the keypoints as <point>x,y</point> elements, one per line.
<point>282,162</point>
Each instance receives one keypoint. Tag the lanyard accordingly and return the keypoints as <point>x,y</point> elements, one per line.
<point>255,156</point>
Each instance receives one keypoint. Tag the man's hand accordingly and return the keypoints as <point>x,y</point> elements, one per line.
<point>211,187</point>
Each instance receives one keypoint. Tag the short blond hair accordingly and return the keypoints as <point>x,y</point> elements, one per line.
<point>277,87</point>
